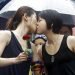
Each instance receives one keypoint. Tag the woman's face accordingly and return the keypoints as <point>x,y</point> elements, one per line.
<point>41,26</point>
<point>31,22</point>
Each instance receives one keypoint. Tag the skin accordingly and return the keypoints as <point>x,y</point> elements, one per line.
<point>27,24</point>
<point>54,40</point>
<point>39,42</point>
<point>65,30</point>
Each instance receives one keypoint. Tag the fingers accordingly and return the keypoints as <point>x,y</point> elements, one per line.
<point>22,57</point>
<point>32,44</point>
<point>23,54</point>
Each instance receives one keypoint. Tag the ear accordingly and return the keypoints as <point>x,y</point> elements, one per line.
<point>25,17</point>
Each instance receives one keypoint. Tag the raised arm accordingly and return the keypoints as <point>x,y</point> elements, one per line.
<point>37,64</point>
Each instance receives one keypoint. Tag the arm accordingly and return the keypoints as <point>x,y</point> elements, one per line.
<point>9,61</point>
<point>37,65</point>
<point>5,37</point>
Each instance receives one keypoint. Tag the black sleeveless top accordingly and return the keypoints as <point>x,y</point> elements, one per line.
<point>13,50</point>
<point>62,63</point>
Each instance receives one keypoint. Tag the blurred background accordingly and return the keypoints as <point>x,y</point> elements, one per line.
<point>66,8</point>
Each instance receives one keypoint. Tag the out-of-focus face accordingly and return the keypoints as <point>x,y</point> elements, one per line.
<point>31,23</point>
<point>65,30</point>
<point>41,25</point>
<point>39,42</point>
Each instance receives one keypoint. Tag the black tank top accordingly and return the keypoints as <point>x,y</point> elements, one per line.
<point>62,63</point>
<point>13,50</point>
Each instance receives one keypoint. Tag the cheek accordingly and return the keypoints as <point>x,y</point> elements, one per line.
<point>33,23</point>
<point>29,22</point>
<point>33,27</point>
<point>43,27</point>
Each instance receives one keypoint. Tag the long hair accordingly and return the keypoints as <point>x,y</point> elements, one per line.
<point>14,21</point>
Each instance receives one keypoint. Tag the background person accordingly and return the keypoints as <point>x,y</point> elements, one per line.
<point>65,30</point>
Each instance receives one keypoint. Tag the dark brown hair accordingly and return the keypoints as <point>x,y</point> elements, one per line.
<point>52,17</point>
<point>14,21</point>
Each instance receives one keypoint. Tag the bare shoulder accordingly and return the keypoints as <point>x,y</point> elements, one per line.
<point>71,42</point>
<point>71,39</point>
<point>5,35</point>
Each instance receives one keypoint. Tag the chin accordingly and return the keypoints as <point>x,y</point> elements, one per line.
<point>39,32</point>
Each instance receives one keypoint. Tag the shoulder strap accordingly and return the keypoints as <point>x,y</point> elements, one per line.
<point>64,43</point>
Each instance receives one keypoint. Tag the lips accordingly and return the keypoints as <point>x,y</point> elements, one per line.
<point>37,29</point>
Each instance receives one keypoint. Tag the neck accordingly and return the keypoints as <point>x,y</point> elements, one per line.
<point>21,30</point>
<point>52,37</point>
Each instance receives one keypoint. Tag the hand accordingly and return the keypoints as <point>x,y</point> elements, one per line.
<point>21,57</point>
<point>36,50</point>
<point>38,47</point>
<point>33,47</point>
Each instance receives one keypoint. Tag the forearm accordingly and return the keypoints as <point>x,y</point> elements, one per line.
<point>7,61</point>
